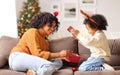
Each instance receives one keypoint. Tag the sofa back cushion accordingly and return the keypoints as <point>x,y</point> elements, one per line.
<point>67,43</point>
<point>83,52</point>
<point>114,45</point>
<point>6,44</point>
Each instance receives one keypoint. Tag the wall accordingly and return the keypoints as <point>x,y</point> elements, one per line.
<point>109,8</point>
<point>8,18</point>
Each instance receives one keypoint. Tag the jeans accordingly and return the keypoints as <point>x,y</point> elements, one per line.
<point>92,64</point>
<point>22,62</point>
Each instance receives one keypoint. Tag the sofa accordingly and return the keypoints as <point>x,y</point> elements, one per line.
<point>7,43</point>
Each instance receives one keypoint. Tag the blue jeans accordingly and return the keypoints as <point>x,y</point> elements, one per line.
<point>22,62</point>
<point>92,64</point>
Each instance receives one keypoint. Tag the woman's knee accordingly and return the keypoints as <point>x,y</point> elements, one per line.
<point>18,67</point>
<point>57,62</point>
<point>46,69</point>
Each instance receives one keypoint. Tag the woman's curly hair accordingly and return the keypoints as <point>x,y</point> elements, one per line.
<point>39,20</point>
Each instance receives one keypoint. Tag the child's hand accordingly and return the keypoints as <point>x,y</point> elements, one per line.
<point>75,32</point>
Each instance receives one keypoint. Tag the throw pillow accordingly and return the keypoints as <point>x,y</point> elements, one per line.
<point>6,44</point>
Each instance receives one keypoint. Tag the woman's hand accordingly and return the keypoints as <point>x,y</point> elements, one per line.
<point>60,55</point>
<point>64,54</point>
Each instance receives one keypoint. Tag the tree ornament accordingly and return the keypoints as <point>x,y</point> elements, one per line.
<point>27,21</point>
<point>22,31</point>
<point>29,15</point>
<point>18,22</point>
<point>35,4</point>
<point>38,13</point>
<point>20,35</point>
<point>26,29</point>
<point>22,18</point>
<point>21,26</point>
<point>26,13</point>
<point>33,10</point>
<point>74,68</point>
<point>29,7</point>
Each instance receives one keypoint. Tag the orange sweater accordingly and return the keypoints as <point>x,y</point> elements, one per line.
<point>33,42</point>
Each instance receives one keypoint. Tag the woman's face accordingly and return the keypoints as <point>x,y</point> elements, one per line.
<point>49,29</point>
<point>90,30</point>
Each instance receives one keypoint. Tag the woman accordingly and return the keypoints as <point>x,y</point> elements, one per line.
<point>32,53</point>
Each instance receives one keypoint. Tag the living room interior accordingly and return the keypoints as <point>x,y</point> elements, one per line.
<point>62,39</point>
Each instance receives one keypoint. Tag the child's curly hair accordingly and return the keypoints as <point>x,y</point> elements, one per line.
<point>39,20</point>
<point>100,22</point>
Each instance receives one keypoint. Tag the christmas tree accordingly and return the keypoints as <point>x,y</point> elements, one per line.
<point>30,8</point>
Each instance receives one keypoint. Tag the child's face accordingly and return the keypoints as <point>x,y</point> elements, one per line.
<point>91,30</point>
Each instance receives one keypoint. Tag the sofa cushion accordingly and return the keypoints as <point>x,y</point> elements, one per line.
<point>96,73</point>
<point>114,45</point>
<point>115,50</point>
<point>83,52</point>
<point>64,71</point>
<point>6,44</point>
<point>67,43</point>
<point>10,72</point>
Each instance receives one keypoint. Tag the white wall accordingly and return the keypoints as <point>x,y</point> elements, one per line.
<point>8,18</point>
<point>109,8</point>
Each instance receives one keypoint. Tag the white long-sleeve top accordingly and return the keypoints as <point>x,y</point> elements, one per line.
<point>97,44</point>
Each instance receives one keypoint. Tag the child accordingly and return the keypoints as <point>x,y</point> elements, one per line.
<point>96,42</point>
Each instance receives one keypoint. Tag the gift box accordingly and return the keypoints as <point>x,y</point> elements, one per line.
<point>75,58</point>
<point>70,28</point>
